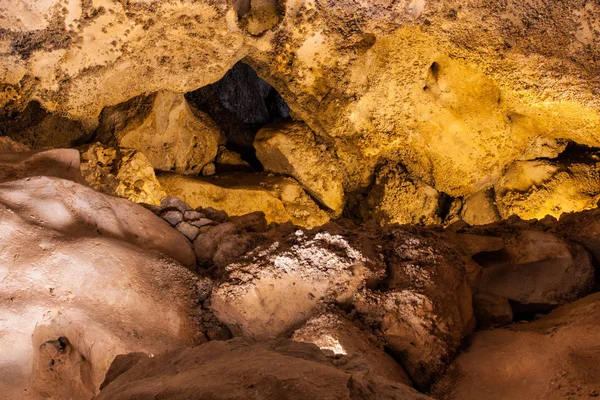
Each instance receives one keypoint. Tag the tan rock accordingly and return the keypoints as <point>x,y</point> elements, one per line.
<point>556,357</point>
<point>163,127</point>
<point>230,161</point>
<point>291,149</point>
<point>279,284</point>
<point>480,209</point>
<point>534,189</point>
<point>399,198</point>
<point>121,172</point>
<point>280,198</point>
<point>85,277</point>
<point>491,310</point>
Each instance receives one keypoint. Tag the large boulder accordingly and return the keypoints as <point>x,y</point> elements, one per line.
<point>85,277</point>
<point>537,269</point>
<point>121,172</point>
<point>291,149</point>
<point>279,284</point>
<point>240,369</point>
<point>166,129</point>
<point>281,199</point>
<point>423,307</point>
<point>583,228</point>
<point>556,357</point>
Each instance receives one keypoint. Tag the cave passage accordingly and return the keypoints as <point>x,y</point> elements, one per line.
<point>241,103</point>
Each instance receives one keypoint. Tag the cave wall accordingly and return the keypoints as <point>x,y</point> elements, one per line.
<point>454,92</point>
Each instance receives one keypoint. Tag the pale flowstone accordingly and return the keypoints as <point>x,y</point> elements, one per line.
<point>121,172</point>
<point>166,129</point>
<point>83,280</point>
<point>280,198</point>
<point>291,149</point>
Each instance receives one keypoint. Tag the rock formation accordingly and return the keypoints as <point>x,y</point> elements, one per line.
<point>275,199</point>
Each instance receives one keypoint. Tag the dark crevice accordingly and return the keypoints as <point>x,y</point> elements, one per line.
<point>241,103</point>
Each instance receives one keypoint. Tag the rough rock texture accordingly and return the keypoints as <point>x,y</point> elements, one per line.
<point>453,93</point>
<point>397,198</point>
<point>556,357</point>
<point>291,149</point>
<point>537,268</point>
<point>120,172</point>
<point>424,306</point>
<point>281,199</point>
<point>534,189</point>
<point>83,279</point>
<point>239,369</point>
<point>173,135</point>
<point>491,310</point>
<point>278,285</point>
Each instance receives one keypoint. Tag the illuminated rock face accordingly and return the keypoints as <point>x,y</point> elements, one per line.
<point>85,277</point>
<point>455,94</point>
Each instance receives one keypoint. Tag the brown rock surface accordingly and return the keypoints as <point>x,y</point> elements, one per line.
<point>61,163</point>
<point>556,357</point>
<point>241,369</point>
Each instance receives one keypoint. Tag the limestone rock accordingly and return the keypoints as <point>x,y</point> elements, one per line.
<point>83,280</point>
<point>480,209</point>
<point>537,268</point>
<point>190,231</point>
<point>40,129</point>
<point>534,189</point>
<point>170,133</point>
<point>241,369</point>
<point>61,163</point>
<point>425,305</point>
<point>291,149</point>
<point>398,198</point>
<point>121,172</point>
<point>332,333</point>
<point>279,284</point>
<point>556,357</point>
<point>281,199</point>
<point>173,217</point>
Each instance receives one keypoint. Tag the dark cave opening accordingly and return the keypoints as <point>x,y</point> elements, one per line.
<point>241,103</point>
